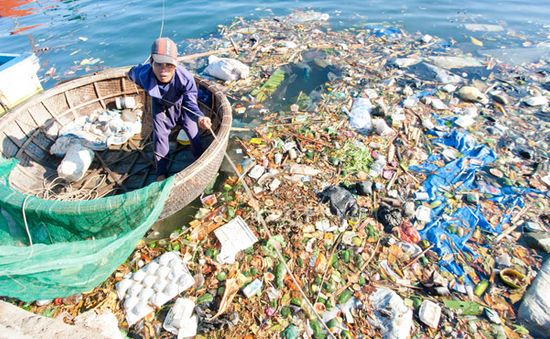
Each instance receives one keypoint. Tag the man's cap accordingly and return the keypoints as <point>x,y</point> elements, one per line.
<point>165,51</point>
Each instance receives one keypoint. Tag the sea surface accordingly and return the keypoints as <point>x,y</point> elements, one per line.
<point>75,37</point>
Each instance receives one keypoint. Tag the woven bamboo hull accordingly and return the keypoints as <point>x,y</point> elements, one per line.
<point>29,130</point>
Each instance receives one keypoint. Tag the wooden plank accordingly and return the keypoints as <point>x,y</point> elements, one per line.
<point>123,84</point>
<point>69,103</point>
<point>49,111</point>
<point>96,88</point>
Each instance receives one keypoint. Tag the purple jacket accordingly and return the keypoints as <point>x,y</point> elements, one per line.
<point>168,111</point>
<point>181,90</point>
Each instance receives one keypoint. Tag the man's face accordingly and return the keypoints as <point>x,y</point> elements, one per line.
<point>164,72</point>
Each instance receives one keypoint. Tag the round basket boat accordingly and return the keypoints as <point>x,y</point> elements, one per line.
<point>29,131</point>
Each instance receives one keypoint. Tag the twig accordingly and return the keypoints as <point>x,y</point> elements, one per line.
<point>338,239</point>
<point>415,259</point>
<point>190,57</point>
<point>234,45</point>
<point>241,129</point>
<point>392,181</point>
<point>407,172</point>
<point>520,214</point>
<point>511,229</point>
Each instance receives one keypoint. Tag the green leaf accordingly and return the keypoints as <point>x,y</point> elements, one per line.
<point>48,312</point>
<point>520,329</point>
<point>205,298</point>
<point>464,307</point>
<point>270,86</point>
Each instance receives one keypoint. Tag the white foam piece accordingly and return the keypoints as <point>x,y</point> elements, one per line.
<point>163,272</point>
<point>180,320</point>
<point>122,287</point>
<point>159,299</point>
<point>131,302</point>
<point>185,282</point>
<point>139,311</point>
<point>135,289</point>
<point>175,274</point>
<point>171,289</point>
<point>175,263</point>
<point>166,258</point>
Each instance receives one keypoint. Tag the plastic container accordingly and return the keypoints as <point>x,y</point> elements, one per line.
<point>377,167</point>
<point>382,128</point>
<point>18,79</point>
<point>76,162</point>
<point>430,313</point>
<point>125,102</point>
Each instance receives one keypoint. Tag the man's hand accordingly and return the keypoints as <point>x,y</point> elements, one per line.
<point>205,123</point>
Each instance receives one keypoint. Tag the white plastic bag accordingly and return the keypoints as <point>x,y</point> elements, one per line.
<point>76,162</point>
<point>360,118</point>
<point>382,128</point>
<point>226,69</point>
<point>391,314</point>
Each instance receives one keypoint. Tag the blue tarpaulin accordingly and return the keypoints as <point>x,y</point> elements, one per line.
<point>380,31</point>
<point>467,173</point>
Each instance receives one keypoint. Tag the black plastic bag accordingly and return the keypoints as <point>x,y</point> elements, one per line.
<point>342,202</point>
<point>389,217</point>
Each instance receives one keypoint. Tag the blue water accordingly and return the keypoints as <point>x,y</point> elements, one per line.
<point>117,33</point>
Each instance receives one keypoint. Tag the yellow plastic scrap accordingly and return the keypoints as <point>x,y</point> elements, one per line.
<point>476,42</point>
<point>256,141</point>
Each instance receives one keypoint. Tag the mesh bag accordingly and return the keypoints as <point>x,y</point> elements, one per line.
<point>75,245</point>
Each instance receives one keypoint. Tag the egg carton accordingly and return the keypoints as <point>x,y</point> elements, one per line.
<point>153,285</point>
<point>181,319</point>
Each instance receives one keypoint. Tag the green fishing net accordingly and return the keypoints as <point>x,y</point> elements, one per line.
<point>75,245</point>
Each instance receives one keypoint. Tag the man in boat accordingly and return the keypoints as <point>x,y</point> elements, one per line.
<point>174,95</point>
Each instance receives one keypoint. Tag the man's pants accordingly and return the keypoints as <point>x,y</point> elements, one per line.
<point>161,131</point>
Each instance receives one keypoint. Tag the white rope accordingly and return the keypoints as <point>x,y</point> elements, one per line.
<point>25,220</point>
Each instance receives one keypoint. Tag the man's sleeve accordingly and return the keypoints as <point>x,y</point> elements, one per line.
<point>189,98</point>
<point>133,74</point>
